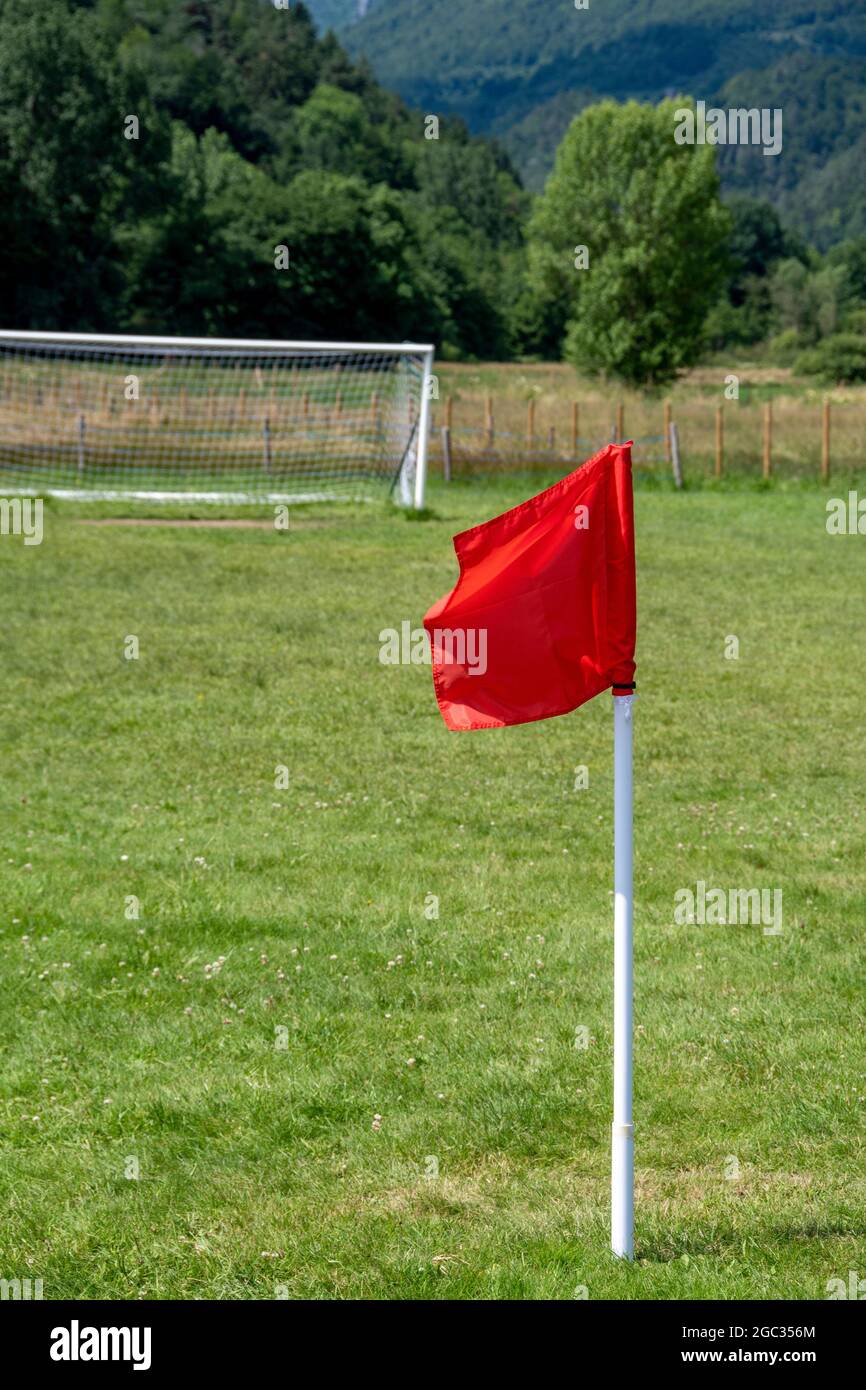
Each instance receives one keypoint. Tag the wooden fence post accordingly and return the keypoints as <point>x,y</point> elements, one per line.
<point>446,453</point>
<point>620,423</point>
<point>551,439</point>
<point>720,439</point>
<point>530,425</point>
<point>575,421</point>
<point>667,431</point>
<point>768,439</point>
<point>825,442</point>
<point>449,413</point>
<point>488,422</point>
<point>675,454</point>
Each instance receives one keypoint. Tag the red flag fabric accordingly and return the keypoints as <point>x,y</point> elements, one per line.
<point>543,615</point>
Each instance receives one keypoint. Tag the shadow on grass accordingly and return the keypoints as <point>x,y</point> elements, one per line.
<point>687,1245</point>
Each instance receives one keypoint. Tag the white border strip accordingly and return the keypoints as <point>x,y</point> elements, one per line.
<point>228,499</point>
<point>271,345</point>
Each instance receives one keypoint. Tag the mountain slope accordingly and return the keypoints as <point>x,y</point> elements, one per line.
<point>338,14</point>
<point>520,70</point>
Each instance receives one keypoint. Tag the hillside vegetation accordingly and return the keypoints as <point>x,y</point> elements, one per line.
<point>521,71</point>
<point>153,157</point>
<point>223,167</point>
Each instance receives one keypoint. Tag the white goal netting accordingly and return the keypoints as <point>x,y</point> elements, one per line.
<point>220,420</point>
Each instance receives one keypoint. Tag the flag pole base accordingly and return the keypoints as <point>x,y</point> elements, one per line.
<point>622,1188</point>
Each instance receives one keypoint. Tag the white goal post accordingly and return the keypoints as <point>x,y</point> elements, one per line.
<point>112,416</point>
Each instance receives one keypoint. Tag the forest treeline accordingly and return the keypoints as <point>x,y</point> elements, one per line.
<point>252,133</point>
<point>219,167</point>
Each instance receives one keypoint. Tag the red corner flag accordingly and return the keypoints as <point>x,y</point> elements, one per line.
<point>542,617</point>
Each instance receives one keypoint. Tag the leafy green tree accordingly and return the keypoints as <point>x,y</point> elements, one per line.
<point>68,173</point>
<point>758,239</point>
<point>807,298</point>
<point>473,176</point>
<point>183,266</point>
<point>758,242</point>
<point>351,252</point>
<point>461,275</point>
<point>850,257</point>
<point>237,66</point>
<point>838,360</point>
<point>333,130</point>
<point>745,322</point>
<point>649,214</point>
<point>208,261</point>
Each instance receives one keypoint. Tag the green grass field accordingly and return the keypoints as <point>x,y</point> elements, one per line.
<point>284,986</point>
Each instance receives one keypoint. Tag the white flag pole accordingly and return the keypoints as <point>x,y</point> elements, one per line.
<point>622,1154</point>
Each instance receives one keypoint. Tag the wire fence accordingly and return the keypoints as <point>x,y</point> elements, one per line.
<point>459,453</point>
<point>786,437</point>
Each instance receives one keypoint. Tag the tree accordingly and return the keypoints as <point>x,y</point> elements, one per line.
<point>184,269</point>
<point>851,257</point>
<point>806,298</point>
<point>758,242</point>
<point>67,172</point>
<point>207,263</point>
<point>472,175</point>
<point>332,130</point>
<point>839,360</point>
<point>648,212</point>
<point>758,239</point>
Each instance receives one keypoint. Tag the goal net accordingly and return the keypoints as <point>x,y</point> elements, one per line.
<point>188,419</point>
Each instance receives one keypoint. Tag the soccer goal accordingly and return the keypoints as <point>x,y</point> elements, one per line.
<point>210,419</point>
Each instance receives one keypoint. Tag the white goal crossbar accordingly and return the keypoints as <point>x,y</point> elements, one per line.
<point>113,416</point>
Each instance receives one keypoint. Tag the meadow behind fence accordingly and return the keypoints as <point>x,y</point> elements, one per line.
<point>769,431</point>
